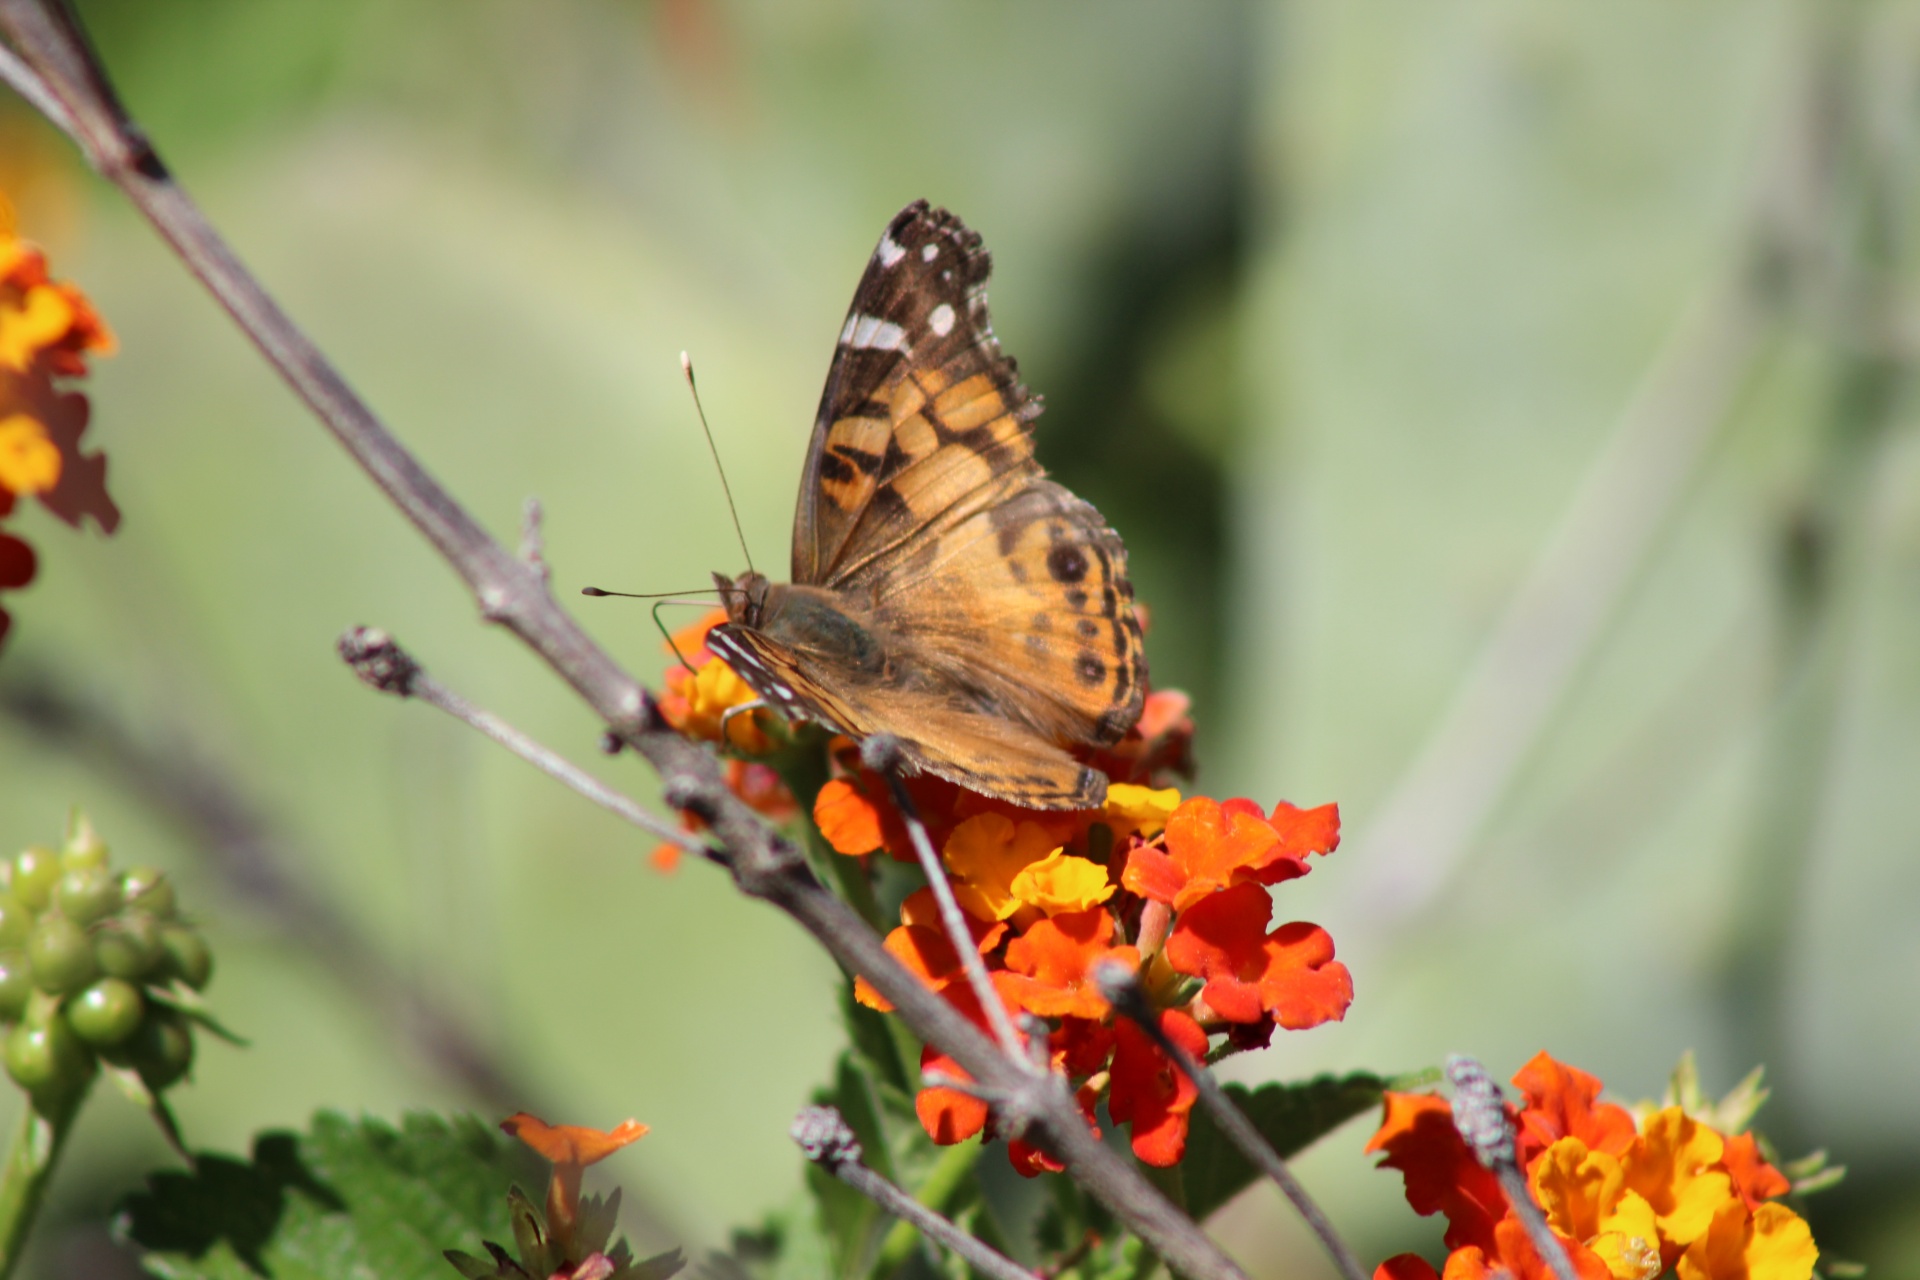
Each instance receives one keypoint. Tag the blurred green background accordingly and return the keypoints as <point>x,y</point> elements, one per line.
<point>1506,405</point>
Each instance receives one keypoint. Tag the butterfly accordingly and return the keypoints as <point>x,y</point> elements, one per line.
<point>943,589</point>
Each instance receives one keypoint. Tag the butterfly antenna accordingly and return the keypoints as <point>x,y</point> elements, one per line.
<point>662,628</point>
<point>686,367</point>
<point>598,593</point>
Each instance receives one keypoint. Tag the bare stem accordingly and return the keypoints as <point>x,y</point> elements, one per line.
<point>509,592</point>
<point>1121,987</point>
<point>827,1141</point>
<point>380,662</point>
<point>31,1158</point>
<point>1482,1122</point>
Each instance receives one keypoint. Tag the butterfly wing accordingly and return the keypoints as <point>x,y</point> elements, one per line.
<point>981,751</point>
<point>1000,599</point>
<point>1027,607</point>
<point>923,418</point>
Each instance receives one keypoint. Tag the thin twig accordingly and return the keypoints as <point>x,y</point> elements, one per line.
<point>881,753</point>
<point>1482,1121</point>
<point>19,77</point>
<point>380,662</point>
<point>1121,986</point>
<point>827,1141</point>
<point>763,864</point>
<point>533,544</point>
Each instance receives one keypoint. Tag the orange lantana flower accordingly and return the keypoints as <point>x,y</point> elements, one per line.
<point>698,702</point>
<point>1627,1202</point>
<point>47,328</point>
<point>1050,966</point>
<point>570,1148</point>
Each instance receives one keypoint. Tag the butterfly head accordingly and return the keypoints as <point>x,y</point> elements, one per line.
<point>744,597</point>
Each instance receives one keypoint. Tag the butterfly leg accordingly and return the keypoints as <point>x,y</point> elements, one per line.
<point>758,704</point>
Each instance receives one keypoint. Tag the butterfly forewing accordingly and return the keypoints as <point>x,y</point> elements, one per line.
<point>921,407</point>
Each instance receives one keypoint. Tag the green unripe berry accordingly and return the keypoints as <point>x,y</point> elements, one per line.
<point>16,922</point>
<point>187,955</point>
<point>16,984</point>
<point>162,1049</point>
<point>148,889</point>
<point>84,850</point>
<point>61,955</point>
<point>34,872</point>
<point>129,947</point>
<point>46,1057</point>
<point>106,1013</point>
<point>87,894</point>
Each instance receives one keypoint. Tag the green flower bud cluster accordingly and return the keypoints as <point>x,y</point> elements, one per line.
<point>87,957</point>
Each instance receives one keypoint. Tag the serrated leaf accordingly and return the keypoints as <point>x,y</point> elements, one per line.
<point>659,1267</point>
<point>1291,1117</point>
<point>788,1245</point>
<point>348,1197</point>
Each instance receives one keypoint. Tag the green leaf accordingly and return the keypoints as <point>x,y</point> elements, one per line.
<point>345,1198</point>
<point>1291,1117</point>
<point>788,1245</point>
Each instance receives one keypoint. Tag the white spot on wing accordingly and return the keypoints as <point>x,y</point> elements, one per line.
<point>941,319</point>
<point>871,333</point>
<point>890,251</point>
<point>929,251</point>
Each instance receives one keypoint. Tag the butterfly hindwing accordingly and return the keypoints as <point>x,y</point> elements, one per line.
<point>983,751</point>
<point>1066,655</point>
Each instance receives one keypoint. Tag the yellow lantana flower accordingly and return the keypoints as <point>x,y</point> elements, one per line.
<point>29,462</point>
<point>1586,1198</point>
<point>1675,1165</point>
<point>1771,1243</point>
<point>985,853</point>
<point>1060,882</point>
<point>713,691</point>
<point>1142,809</point>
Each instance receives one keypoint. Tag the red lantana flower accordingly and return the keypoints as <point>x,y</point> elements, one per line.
<point>1441,1172</point>
<point>1289,974</point>
<point>1210,845</point>
<point>1152,1094</point>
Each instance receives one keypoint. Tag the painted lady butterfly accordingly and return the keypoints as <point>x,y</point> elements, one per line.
<point>944,590</point>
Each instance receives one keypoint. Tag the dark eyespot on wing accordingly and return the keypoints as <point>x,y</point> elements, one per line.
<point>1067,563</point>
<point>1089,668</point>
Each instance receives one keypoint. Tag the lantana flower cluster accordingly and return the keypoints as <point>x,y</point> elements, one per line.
<point>1631,1196</point>
<point>1175,887</point>
<point>47,329</point>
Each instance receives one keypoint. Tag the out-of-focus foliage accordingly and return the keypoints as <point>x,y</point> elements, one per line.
<point>1338,310</point>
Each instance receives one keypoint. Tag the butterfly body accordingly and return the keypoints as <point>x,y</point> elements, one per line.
<point>944,590</point>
